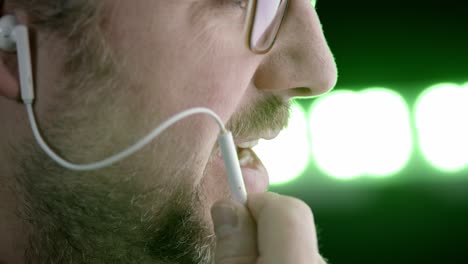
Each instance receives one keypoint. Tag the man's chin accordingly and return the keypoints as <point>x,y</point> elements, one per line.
<point>91,219</point>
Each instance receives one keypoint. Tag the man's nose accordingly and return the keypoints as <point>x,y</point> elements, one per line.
<point>300,63</point>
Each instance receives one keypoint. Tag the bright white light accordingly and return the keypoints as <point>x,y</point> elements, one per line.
<point>366,133</point>
<point>287,156</point>
<point>441,115</point>
<point>333,133</point>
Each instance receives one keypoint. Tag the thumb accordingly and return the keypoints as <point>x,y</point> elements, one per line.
<point>236,235</point>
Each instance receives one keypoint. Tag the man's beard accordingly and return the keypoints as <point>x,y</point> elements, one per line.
<point>104,216</point>
<point>93,219</point>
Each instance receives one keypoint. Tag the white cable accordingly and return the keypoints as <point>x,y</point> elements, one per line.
<point>123,154</point>
<point>225,139</point>
<point>226,142</point>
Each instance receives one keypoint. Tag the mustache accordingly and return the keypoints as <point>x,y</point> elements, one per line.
<point>271,113</point>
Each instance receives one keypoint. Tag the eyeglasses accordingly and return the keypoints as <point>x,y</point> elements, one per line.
<point>264,18</point>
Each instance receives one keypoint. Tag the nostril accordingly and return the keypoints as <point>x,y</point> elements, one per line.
<point>301,92</point>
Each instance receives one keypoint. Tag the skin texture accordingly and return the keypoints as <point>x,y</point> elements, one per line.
<point>101,86</point>
<point>261,227</point>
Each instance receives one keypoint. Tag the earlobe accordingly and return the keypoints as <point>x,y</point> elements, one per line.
<point>9,82</point>
<point>9,78</point>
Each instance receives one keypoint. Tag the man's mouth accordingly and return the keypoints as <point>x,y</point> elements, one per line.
<point>253,171</point>
<point>244,152</point>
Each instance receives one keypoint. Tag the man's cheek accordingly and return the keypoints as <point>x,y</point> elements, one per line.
<point>234,86</point>
<point>214,184</point>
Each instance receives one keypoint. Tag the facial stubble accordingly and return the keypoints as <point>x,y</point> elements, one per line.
<point>104,216</point>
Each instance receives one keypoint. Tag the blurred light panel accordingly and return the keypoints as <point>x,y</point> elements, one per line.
<point>365,133</point>
<point>313,2</point>
<point>441,116</point>
<point>287,156</point>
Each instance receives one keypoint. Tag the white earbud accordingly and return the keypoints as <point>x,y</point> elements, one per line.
<point>15,37</point>
<point>7,25</point>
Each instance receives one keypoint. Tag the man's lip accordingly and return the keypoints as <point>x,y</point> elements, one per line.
<point>268,135</point>
<point>254,173</point>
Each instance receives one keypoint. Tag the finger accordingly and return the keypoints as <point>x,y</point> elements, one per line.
<point>236,241</point>
<point>286,230</point>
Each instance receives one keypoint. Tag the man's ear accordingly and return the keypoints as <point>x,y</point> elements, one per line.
<point>9,80</point>
<point>9,77</point>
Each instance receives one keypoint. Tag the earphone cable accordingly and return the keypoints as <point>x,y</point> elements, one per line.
<point>125,153</point>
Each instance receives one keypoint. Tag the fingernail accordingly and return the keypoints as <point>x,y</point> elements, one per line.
<point>225,219</point>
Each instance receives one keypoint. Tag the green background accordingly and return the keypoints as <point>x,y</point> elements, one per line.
<point>419,215</point>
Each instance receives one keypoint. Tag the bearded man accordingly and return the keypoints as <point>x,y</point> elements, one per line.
<point>106,72</point>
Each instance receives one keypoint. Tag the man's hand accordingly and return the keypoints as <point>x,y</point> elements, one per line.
<point>272,229</point>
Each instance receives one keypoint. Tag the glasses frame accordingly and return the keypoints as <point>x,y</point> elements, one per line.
<point>251,12</point>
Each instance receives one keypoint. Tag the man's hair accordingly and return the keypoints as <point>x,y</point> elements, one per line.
<point>79,24</point>
<point>65,17</point>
